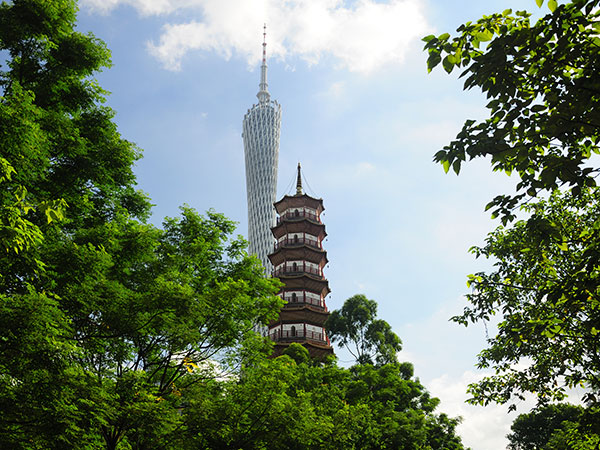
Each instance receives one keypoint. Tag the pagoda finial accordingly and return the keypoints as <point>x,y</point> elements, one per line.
<point>263,92</point>
<point>299,182</point>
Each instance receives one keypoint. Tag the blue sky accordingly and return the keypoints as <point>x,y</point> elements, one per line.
<point>363,117</point>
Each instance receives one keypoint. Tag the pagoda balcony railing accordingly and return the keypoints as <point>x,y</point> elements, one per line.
<point>297,242</point>
<point>299,335</point>
<point>298,270</point>
<point>298,215</point>
<point>305,300</point>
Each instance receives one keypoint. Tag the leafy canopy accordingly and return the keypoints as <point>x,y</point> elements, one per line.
<point>544,427</point>
<point>107,322</point>
<point>281,403</point>
<point>367,338</point>
<point>541,80</point>
<point>545,286</point>
<point>542,83</point>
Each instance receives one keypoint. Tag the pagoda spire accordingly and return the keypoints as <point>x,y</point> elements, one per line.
<point>299,182</point>
<point>263,93</point>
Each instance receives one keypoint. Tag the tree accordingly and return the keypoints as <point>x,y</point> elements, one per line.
<point>107,322</point>
<point>54,140</point>
<point>544,94</point>
<point>156,312</point>
<point>542,428</point>
<point>281,403</point>
<point>544,125</point>
<point>368,339</point>
<point>546,290</point>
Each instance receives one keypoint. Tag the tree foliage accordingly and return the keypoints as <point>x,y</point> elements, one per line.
<point>544,428</point>
<point>542,83</point>
<point>545,287</point>
<point>367,338</point>
<point>106,320</point>
<point>559,426</point>
<point>541,80</point>
<point>543,124</point>
<point>284,404</point>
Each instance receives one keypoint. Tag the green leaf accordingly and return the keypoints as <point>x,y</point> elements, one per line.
<point>539,3</point>
<point>484,36</point>
<point>433,60</point>
<point>446,165</point>
<point>552,5</point>
<point>447,64</point>
<point>456,166</point>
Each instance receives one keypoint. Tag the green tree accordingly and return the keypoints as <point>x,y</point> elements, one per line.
<point>544,94</point>
<point>544,126</point>
<point>547,293</point>
<point>54,141</point>
<point>367,338</point>
<point>542,428</point>
<point>156,312</point>
<point>107,322</point>
<point>280,403</point>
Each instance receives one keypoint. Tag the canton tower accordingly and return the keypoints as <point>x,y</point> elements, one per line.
<point>261,129</point>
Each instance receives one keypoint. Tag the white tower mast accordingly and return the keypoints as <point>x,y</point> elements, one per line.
<point>261,130</point>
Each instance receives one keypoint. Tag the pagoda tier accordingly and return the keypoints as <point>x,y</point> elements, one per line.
<point>292,251</point>
<point>301,297</point>
<point>307,313</point>
<point>304,281</point>
<point>288,205</point>
<point>300,226</point>
<point>298,261</point>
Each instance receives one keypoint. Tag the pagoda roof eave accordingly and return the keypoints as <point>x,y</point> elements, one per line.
<point>299,200</point>
<point>306,252</point>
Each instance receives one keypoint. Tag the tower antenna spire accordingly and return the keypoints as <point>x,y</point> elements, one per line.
<point>263,92</point>
<point>299,181</point>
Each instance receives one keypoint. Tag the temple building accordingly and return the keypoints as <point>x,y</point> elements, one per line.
<point>298,260</point>
<point>261,130</point>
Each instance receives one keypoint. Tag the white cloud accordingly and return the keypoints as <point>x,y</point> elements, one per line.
<point>144,7</point>
<point>361,37</point>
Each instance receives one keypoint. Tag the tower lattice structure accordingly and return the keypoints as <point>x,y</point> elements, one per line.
<point>261,131</point>
<point>298,260</point>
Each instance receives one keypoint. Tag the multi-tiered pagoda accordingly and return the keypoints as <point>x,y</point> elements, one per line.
<point>298,260</point>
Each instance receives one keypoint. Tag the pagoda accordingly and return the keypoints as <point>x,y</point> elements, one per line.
<point>298,260</point>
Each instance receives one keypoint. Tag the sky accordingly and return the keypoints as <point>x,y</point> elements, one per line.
<point>362,115</point>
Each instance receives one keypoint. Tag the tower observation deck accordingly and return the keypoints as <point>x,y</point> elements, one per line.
<point>261,131</point>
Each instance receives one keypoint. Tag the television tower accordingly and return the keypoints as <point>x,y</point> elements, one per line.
<point>261,131</point>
